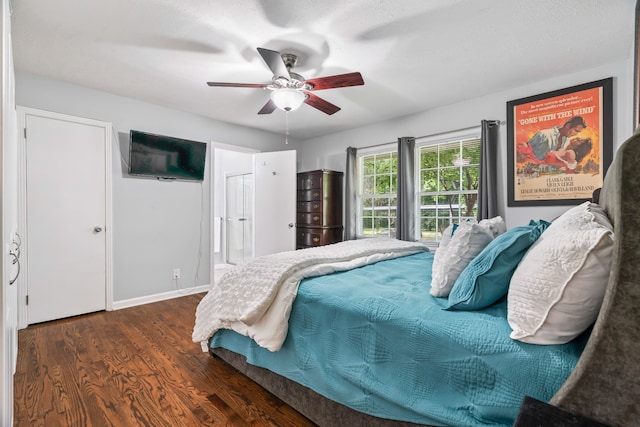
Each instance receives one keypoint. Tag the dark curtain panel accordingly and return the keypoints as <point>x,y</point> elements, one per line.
<point>406,201</point>
<point>487,181</point>
<point>351,195</point>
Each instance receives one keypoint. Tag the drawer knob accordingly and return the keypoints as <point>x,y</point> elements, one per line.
<point>316,194</point>
<point>316,239</point>
<point>316,218</point>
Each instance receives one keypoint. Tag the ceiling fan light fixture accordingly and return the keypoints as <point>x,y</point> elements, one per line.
<point>287,99</point>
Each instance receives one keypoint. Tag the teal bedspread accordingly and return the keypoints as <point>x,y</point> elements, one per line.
<point>375,340</point>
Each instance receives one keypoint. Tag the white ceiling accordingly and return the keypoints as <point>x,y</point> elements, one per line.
<point>414,55</point>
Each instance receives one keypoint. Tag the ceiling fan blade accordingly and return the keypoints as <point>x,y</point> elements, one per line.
<point>340,80</point>
<point>268,108</point>
<point>274,62</point>
<point>321,104</point>
<point>250,85</point>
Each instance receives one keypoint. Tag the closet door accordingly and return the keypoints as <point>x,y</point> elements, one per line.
<point>66,213</point>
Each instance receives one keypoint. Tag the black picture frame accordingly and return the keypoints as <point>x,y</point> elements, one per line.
<point>557,179</point>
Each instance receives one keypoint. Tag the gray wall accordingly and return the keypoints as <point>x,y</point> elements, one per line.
<point>329,151</point>
<point>158,226</point>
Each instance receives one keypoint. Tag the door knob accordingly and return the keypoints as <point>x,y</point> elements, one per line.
<point>290,225</point>
<point>97,229</point>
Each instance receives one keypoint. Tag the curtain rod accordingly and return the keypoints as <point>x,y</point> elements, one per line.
<point>376,145</point>
<point>495,122</point>
<point>444,133</point>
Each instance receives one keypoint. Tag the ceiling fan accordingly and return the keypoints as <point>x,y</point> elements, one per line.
<point>289,90</point>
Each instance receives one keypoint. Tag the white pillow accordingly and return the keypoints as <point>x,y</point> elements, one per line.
<point>446,237</point>
<point>558,287</point>
<point>450,259</point>
<point>496,225</point>
<point>438,257</point>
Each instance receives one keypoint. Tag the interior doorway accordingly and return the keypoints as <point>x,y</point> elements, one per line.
<point>271,201</point>
<point>227,160</point>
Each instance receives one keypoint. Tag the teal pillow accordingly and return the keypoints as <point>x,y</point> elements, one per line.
<point>486,279</point>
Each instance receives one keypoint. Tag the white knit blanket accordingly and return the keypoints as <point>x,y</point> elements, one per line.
<point>255,298</point>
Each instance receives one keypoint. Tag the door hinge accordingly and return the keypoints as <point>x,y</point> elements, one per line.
<point>25,133</point>
<point>27,299</point>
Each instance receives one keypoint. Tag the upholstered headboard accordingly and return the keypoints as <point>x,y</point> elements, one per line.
<point>605,384</point>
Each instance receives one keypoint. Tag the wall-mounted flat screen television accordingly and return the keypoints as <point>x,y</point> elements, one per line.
<point>166,157</point>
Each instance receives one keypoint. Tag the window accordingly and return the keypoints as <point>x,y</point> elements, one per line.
<point>447,172</point>
<point>448,184</point>
<point>377,195</point>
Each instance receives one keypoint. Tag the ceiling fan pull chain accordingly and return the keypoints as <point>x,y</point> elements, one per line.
<point>286,125</point>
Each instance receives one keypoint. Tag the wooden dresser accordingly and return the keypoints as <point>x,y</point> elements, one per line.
<point>319,208</point>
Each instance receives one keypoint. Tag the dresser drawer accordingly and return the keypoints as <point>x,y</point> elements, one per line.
<point>315,194</point>
<point>309,218</point>
<point>307,237</point>
<point>314,206</point>
<point>310,181</point>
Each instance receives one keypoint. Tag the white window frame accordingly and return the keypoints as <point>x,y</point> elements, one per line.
<point>440,139</point>
<point>366,152</point>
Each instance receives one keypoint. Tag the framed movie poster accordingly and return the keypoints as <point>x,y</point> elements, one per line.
<point>559,145</point>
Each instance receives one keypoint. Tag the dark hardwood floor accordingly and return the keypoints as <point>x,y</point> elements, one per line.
<point>135,367</point>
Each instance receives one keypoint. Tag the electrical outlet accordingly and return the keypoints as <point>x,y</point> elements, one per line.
<point>176,273</point>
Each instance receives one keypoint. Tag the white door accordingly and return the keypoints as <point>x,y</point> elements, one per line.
<point>66,216</point>
<point>275,202</point>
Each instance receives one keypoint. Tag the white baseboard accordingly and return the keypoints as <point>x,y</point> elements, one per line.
<point>118,305</point>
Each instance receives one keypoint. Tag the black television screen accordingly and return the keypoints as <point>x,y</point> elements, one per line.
<point>166,157</point>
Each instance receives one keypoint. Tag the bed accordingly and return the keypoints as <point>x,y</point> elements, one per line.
<point>363,352</point>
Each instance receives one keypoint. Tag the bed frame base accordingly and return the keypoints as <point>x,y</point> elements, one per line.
<point>317,408</point>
